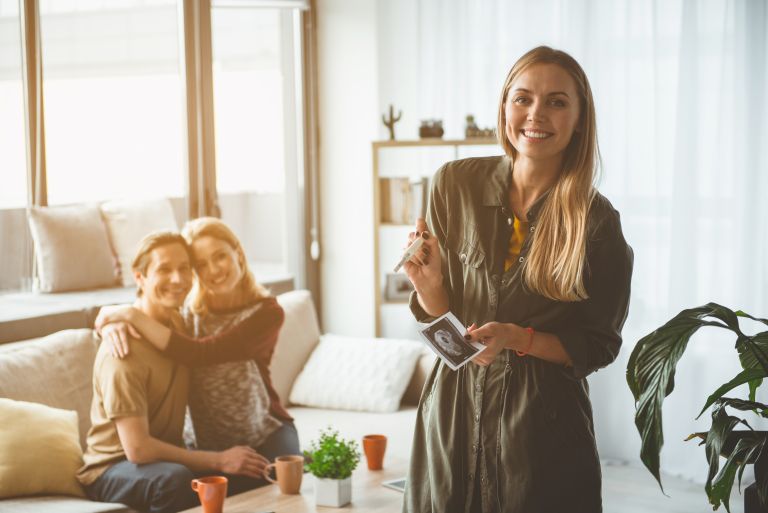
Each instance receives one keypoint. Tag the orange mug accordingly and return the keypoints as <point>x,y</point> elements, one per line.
<point>289,471</point>
<point>212,491</point>
<point>374,447</point>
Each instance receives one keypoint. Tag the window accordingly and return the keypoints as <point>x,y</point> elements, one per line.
<point>255,105</point>
<point>13,193</point>
<point>113,90</point>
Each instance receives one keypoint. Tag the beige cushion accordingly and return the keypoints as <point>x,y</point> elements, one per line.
<point>129,221</point>
<point>55,370</point>
<point>298,338</point>
<point>424,367</point>
<point>72,248</point>
<point>39,450</point>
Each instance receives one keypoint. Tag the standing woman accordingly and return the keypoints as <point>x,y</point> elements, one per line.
<point>232,327</point>
<point>526,252</point>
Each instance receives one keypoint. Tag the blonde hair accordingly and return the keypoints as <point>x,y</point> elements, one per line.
<point>216,228</point>
<point>555,264</point>
<point>154,240</point>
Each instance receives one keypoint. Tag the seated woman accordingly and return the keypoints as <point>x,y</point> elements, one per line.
<point>234,324</point>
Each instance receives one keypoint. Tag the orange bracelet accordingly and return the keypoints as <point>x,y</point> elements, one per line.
<point>530,342</point>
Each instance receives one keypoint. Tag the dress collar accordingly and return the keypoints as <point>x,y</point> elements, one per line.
<point>497,186</point>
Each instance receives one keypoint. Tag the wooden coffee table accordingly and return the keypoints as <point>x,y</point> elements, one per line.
<point>368,495</point>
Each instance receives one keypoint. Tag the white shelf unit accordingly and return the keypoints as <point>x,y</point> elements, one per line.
<point>412,159</point>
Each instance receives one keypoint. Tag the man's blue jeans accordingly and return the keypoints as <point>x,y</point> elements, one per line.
<point>164,487</point>
<point>159,487</point>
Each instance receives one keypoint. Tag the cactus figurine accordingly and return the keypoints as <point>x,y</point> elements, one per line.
<point>390,123</point>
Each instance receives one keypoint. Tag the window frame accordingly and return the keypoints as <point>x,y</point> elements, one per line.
<point>303,252</point>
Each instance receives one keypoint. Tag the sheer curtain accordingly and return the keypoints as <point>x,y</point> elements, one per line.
<point>680,87</point>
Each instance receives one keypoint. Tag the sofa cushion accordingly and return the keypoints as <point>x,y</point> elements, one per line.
<point>424,367</point>
<point>298,337</point>
<point>350,373</point>
<point>39,450</point>
<point>60,504</point>
<point>72,248</point>
<point>55,370</point>
<point>129,221</point>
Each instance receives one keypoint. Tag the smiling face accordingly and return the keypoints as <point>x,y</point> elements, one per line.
<point>219,266</point>
<point>168,276</point>
<point>542,110</point>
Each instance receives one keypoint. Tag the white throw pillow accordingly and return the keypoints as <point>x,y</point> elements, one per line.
<point>129,221</point>
<point>349,373</point>
<point>72,248</point>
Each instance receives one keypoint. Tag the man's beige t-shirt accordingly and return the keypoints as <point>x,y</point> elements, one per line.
<point>145,383</point>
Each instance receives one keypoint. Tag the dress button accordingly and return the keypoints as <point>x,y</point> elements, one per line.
<point>521,259</point>
<point>474,447</point>
<point>477,417</point>
<point>471,477</point>
<point>463,257</point>
<point>509,221</point>
<point>478,387</point>
<point>530,229</point>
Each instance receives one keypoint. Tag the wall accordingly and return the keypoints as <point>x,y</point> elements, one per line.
<point>349,121</point>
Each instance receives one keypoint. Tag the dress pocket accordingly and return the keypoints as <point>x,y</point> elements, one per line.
<point>467,250</point>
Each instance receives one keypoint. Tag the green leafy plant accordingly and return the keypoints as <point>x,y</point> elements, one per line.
<point>651,377</point>
<point>331,457</point>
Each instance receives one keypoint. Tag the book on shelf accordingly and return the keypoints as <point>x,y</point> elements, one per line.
<point>403,200</point>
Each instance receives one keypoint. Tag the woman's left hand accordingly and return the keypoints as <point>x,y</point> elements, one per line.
<point>495,336</point>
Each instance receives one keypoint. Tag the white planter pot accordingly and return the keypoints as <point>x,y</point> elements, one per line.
<point>333,492</point>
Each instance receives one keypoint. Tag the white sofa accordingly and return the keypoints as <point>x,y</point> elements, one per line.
<point>56,371</point>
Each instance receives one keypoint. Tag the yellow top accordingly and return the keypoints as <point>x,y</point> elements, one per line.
<point>519,231</point>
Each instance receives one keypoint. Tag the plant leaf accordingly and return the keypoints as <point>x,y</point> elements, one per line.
<point>753,351</point>
<point>740,404</point>
<point>722,426</point>
<point>744,376</point>
<point>740,313</point>
<point>651,372</point>
<point>744,453</point>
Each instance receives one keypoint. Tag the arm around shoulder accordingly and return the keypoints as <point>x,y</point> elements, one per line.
<point>254,337</point>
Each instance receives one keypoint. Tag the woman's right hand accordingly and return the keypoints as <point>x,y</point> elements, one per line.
<point>424,269</point>
<point>116,335</point>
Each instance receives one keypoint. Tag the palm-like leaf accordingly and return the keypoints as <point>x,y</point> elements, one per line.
<point>741,448</point>
<point>652,364</point>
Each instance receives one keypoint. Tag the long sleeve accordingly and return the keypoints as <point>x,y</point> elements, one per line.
<point>253,338</point>
<point>592,334</point>
<point>436,224</point>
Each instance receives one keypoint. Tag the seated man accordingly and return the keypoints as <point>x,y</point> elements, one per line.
<point>135,453</point>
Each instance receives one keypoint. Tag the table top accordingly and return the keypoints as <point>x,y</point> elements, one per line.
<point>368,494</point>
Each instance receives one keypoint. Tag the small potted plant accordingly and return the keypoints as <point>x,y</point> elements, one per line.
<point>331,460</point>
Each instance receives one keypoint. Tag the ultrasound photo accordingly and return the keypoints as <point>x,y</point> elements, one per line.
<point>445,337</point>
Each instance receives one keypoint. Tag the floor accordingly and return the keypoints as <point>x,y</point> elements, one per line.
<point>630,489</point>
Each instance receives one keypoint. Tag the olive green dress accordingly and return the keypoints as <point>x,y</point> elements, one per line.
<point>516,436</point>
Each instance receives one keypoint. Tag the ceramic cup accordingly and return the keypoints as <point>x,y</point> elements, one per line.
<point>374,447</point>
<point>212,491</point>
<point>289,471</point>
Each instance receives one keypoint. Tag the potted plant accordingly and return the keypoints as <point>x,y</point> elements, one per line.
<point>331,460</point>
<point>651,377</point>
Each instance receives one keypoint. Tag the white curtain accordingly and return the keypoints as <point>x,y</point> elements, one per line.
<point>680,88</point>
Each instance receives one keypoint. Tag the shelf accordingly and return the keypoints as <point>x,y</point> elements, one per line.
<point>434,141</point>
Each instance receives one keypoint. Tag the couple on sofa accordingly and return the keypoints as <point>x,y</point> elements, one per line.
<point>159,356</point>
